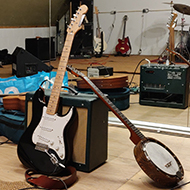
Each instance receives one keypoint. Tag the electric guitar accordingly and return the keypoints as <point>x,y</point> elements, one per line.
<point>124,46</point>
<point>46,145</point>
<point>99,40</point>
<point>154,158</point>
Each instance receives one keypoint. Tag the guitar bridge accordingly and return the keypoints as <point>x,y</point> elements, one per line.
<point>41,147</point>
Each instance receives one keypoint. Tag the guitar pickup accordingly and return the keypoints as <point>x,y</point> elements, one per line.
<point>41,147</point>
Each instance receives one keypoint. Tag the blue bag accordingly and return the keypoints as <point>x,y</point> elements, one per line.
<point>14,85</point>
<point>12,122</point>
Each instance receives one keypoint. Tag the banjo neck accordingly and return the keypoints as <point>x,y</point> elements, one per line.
<point>136,135</point>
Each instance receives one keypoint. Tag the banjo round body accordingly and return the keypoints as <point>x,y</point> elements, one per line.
<point>158,162</point>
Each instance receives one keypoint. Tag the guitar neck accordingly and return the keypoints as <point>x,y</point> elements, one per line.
<point>75,25</point>
<point>136,135</point>
<point>98,32</point>
<point>54,98</point>
<point>124,27</point>
<point>124,30</point>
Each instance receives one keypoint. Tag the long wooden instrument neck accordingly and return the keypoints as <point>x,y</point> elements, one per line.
<point>54,98</point>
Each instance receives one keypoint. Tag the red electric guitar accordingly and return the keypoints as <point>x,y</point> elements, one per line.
<point>124,46</point>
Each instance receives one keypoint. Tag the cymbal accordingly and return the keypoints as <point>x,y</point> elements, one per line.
<point>182,8</point>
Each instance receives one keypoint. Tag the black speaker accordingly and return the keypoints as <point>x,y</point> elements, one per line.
<point>166,86</point>
<point>39,47</point>
<point>91,139</point>
<point>25,64</point>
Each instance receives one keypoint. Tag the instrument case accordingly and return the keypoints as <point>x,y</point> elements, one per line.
<point>12,124</point>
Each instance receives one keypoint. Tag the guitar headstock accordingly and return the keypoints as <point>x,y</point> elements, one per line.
<point>125,18</point>
<point>76,21</point>
<point>96,10</point>
<point>172,21</point>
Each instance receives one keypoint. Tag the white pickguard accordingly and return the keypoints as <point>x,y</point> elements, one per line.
<point>98,44</point>
<point>50,130</point>
<point>161,158</point>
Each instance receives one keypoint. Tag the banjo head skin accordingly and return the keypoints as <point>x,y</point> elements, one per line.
<point>158,162</point>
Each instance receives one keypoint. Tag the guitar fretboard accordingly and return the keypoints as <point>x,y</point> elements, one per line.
<point>75,25</point>
<point>54,98</point>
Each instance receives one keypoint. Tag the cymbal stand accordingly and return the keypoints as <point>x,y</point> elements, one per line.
<point>166,54</point>
<point>182,45</point>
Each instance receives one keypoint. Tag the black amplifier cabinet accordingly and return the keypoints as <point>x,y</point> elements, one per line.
<point>25,64</point>
<point>91,139</point>
<point>39,47</point>
<point>162,85</point>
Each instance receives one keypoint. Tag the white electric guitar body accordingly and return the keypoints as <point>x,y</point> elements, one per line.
<point>49,134</point>
<point>100,44</point>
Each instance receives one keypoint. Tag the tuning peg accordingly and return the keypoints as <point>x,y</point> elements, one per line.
<point>75,15</point>
<point>72,19</point>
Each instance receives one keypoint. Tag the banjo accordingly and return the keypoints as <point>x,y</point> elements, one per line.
<point>154,158</point>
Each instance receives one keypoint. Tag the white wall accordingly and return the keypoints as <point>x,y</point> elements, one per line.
<point>154,33</point>
<point>10,38</point>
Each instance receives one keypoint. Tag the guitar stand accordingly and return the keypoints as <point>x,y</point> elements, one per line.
<point>163,56</point>
<point>120,54</point>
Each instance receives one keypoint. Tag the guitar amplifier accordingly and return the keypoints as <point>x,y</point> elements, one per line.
<point>166,86</point>
<point>90,142</point>
<point>39,47</point>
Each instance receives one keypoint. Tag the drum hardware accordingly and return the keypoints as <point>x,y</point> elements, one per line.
<point>170,3</point>
<point>165,56</point>
<point>181,47</point>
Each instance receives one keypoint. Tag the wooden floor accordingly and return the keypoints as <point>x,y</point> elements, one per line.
<point>121,171</point>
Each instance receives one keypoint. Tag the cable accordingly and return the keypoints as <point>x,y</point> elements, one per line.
<point>7,141</point>
<point>33,188</point>
<point>178,186</point>
<point>137,68</point>
<point>111,28</point>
